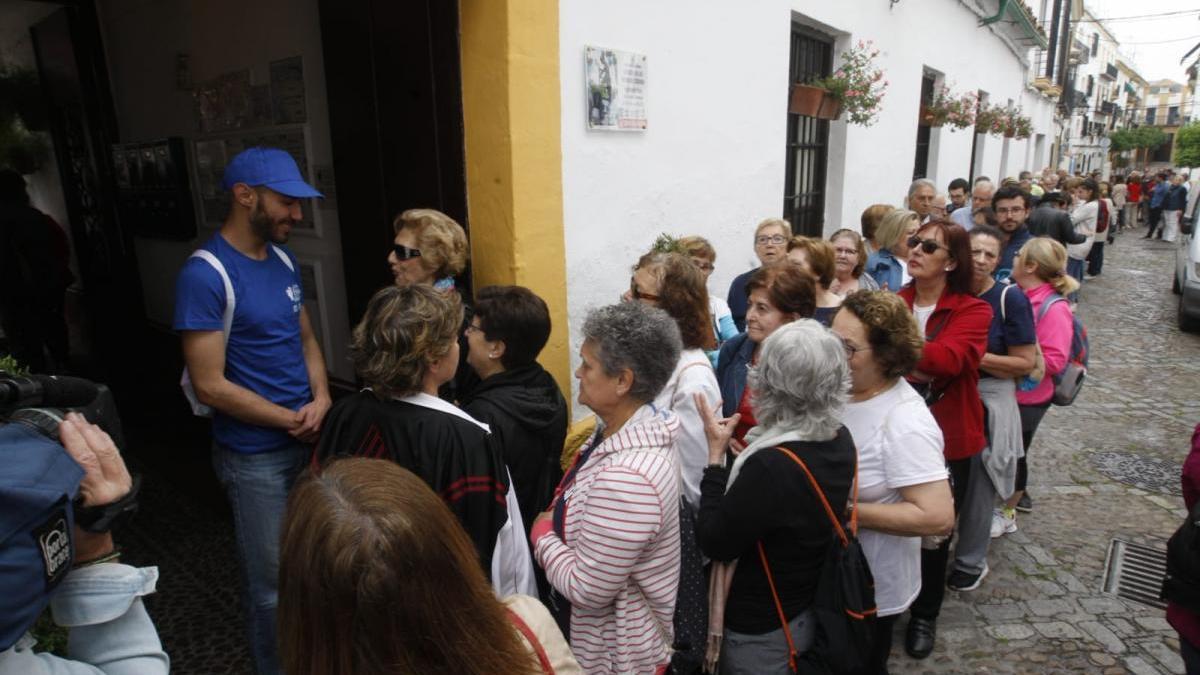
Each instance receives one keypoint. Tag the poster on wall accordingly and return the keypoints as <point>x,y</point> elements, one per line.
<point>223,103</point>
<point>616,89</point>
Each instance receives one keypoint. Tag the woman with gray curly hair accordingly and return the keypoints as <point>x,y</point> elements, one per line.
<point>610,541</point>
<point>762,516</point>
<point>405,347</point>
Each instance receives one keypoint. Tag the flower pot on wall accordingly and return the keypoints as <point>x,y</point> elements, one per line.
<point>805,100</point>
<point>928,118</point>
<point>831,108</point>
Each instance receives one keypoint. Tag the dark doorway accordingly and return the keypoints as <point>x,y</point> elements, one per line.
<point>74,77</point>
<point>395,115</point>
<point>807,137</point>
<point>924,131</point>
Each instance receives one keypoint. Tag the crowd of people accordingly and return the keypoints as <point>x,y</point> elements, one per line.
<point>446,518</point>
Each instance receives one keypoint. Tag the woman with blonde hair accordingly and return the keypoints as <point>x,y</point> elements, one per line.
<point>816,257</point>
<point>849,262</point>
<point>429,248</point>
<point>404,349</point>
<point>888,265</point>
<point>1040,271</point>
<point>870,219</point>
<point>377,577</point>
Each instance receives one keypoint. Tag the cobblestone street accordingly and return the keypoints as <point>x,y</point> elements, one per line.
<point>1105,468</point>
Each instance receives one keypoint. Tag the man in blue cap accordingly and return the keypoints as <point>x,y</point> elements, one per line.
<point>252,357</point>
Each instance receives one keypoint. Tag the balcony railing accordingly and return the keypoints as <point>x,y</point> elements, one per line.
<point>1106,107</point>
<point>1110,71</point>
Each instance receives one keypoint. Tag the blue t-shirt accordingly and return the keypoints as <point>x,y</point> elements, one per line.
<point>1009,255</point>
<point>264,353</point>
<point>1011,326</point>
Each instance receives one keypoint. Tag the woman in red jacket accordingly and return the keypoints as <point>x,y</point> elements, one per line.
<point>955,324</point>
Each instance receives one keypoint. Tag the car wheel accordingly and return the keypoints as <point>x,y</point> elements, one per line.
<point>1187,324</point>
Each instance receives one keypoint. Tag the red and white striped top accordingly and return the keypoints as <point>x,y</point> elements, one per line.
<point>619,566</point>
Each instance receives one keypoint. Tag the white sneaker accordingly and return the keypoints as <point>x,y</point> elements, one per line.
<point>1004,521</point>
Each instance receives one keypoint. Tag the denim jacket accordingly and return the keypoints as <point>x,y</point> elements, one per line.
<point>111,633</point>
<point>885,268</point>
<point>732,367</point>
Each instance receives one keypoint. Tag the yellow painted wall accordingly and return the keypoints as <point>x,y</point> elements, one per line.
<point>511,113</point>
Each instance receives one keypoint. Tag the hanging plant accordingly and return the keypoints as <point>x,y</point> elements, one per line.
<point>21,97</point>
<point>949,108</point>
<point>990,119</point>
<point>21,149</point>
<point>857,86</point>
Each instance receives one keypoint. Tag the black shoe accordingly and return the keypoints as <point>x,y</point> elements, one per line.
<point>918,641</point>
<point>1025,504</point>
<point>965,581</point>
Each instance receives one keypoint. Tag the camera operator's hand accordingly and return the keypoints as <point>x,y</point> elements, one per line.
<point>106,479</point>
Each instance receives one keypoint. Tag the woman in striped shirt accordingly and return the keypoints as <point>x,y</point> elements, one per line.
<point>610,541</point>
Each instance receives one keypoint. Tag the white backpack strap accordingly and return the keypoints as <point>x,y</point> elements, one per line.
<point>284,257</point>
<point>1003,305</point>
<point>230,300</point>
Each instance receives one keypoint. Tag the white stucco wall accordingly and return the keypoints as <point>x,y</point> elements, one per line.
<point>142,41</point>
<point>712,161</point>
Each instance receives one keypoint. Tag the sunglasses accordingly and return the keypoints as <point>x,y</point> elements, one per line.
<point>405,253</point>
<point>929,246</point>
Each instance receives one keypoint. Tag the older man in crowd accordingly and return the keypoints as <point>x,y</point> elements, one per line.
<point>981,196</point>
<point>921,195</point>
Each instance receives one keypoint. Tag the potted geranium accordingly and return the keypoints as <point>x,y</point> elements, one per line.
<point>856,88</point>
<point>1019,126</point>
<point>947,107</point>
<point>990,119</point>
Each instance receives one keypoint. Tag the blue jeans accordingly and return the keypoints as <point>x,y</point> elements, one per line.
<point>1075,269</point>
<point>257,486</point>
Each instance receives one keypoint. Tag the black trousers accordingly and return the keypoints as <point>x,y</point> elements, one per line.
<point>933,561</point>
<point>1095,257</point>
<point>883,643</point>
<point>1155,220</point>
<point>1031,417</point>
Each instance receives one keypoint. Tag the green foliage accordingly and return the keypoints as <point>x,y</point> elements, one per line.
<point>10,365</point>
<point>666,244</point>
<point>1187,145</point>
<point>22,114</point>
<point>50,636</point>
<point>1132,139</point>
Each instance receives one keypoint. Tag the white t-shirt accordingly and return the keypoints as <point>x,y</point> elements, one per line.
<point>693,375</point>
<point>899,444</point>
<point>923,312</point>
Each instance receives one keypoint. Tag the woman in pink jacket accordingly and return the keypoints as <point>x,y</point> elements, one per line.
<point>1041,271</point>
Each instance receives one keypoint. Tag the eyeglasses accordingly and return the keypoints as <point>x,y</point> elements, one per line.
<point>639,295</point>
<point>846,251</point>
<point>929,246</point>
<point>1014,210</point>
<point>405,253</point>
<point>851,349</point>
<point>770,239</point>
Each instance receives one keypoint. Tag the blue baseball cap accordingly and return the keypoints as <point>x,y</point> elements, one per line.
<point>38,480</point>
<point>270,168</point>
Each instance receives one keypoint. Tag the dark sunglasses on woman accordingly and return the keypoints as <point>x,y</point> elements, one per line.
<point>405,253</point>
<point>929,246</point>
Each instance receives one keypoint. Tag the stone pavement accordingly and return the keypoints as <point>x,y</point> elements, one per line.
<point>1106,467</point>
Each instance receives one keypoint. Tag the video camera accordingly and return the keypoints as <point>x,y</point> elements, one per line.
<point>39,490</point>
<point>42,401</point>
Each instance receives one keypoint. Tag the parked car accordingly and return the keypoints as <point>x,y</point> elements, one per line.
<point>1187,283</point>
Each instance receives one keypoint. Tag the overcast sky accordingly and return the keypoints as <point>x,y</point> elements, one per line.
<point>1154,44</point>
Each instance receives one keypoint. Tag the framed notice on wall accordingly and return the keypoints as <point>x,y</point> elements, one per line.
<point>615,84</point>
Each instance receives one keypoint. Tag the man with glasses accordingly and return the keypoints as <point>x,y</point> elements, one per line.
<point>1011,205</point>
<point>253,359</point>
<point>770,245</point>
<point>958,194</point>
<point>981,196</point>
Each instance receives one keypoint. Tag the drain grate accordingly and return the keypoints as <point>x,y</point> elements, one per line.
<point>1146,473</point>
<point>1135,572</point>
